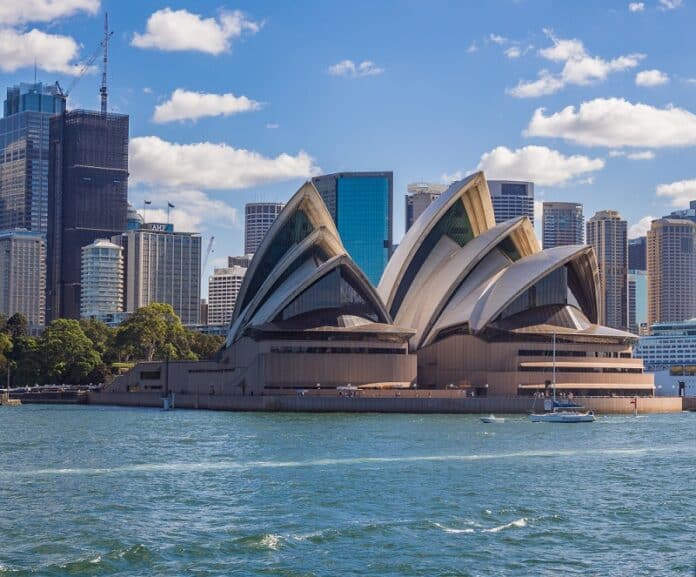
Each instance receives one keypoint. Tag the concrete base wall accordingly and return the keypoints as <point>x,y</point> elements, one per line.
<point>385,404</point>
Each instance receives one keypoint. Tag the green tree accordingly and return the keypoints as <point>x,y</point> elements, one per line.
<point>26,360</point>
<point>205,347</point>
<point>102,337</point>
<point>153,332</point>
<point>5,350</point>
<point>68,355</point>
<point>17,326</point>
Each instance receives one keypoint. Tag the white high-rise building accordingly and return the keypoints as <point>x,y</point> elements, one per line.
<point>101,279</point>
<point>223,287</point>
<point>163,266</point>
<point>512,198</point>
<point>23,275</point>
<point>258,218</point>
<point>420,196</point>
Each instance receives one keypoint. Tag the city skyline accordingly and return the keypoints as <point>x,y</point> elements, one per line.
<point>248,124</point>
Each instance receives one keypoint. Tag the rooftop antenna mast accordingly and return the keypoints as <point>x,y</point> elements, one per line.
<point>105,43</point>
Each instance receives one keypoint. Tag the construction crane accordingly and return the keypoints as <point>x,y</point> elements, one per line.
<point>207,256</point>
<point>102,48</point>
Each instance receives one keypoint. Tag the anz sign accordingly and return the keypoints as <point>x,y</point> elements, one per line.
<point>159,227</point>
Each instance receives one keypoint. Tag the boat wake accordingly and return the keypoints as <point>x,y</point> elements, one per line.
<point>521,522</point>
<point>452,530</point>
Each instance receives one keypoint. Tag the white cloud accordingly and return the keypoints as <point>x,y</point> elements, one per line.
<point>497,39</point>
<point>680,193</point>
<point>272,125</point>
<point>640,155</point>
<point>473,47</point>
<point>188,105</point>
<point>641,227</point>
<point>449,178</point>
<point>51,52</point>
<point>670,4</point>
<point>651,78</point>
<point>636,7</point>
<point>579,68</point>
<point>615,123</point>
<point>350,69</point>
<point>211,166</point>
<point>14,12</point>
<point>539,164</point>
<point>193,209</point>
<point>147,90</point>
<point>176,30</point>
<point>513,52</point>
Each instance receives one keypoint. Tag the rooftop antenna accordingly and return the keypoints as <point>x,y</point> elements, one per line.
<point>34,69</point>
<point>105,45</point>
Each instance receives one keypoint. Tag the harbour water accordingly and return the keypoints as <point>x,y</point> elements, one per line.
<point>111,491</point>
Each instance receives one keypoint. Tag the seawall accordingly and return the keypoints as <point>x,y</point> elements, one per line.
<point>383,404</point>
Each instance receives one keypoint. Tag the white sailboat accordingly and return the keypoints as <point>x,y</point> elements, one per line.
<point>556,412</point>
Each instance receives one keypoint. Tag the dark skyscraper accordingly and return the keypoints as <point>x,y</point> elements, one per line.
<point>637,253</point>
<point>24,158</point>
<point>361,206</point>
<point>88,189</point>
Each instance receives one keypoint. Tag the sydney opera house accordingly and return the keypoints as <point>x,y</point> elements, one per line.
<point>463,304</point>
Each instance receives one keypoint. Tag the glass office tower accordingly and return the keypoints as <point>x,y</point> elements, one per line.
<point>88,186</point>
<point>361,206</point>
<point>24,155</point>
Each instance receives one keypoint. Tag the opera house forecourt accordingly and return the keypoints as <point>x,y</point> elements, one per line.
<point>465,309</point>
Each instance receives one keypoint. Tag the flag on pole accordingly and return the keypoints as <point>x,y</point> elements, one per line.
<point>170,205</point>
<point>147,202</point>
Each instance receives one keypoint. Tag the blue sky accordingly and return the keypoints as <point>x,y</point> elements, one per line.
<point>238,102</point>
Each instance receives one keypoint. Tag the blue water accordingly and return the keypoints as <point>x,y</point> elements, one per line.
<point>111,491</point>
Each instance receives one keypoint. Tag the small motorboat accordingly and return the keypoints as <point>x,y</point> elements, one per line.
<point>492,419</point>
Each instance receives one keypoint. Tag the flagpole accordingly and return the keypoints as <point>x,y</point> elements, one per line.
<point>169,207</point>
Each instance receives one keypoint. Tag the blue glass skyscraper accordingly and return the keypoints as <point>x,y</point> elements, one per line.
<point>24,155</point>
<point>361,206</point>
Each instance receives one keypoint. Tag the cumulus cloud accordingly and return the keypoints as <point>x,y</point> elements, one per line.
<point>473,47</point>
<point>651,78</point>
<point>272,125</point>
<point>671,4</point>
<point>513,52</point>
<point>636,7</point>
<point>497,39</point>
<point>51,52</point>
<point>639,155</point>
<point>181,30</point>
<point>539,164</point>
<point>616,123</point>
<point>350,69</point>
<point>187,105</point>
<point>13,12</point>
<point>193,209</point>
<point>208,165</point>
<point>679,193</point>
<point>579,68</point>
<point>641,227</point>
<point>447,178</point>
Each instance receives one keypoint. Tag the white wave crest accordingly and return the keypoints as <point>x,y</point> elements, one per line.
<point>522,522</point>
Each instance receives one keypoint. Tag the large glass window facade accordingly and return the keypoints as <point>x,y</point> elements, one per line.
<point>331,296</point>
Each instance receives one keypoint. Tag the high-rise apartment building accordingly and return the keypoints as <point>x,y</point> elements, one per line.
<point>101,279</point>
<point>637,253</point>
<point>637,301</point>
<point>671,270</point>
<point>361,205</point>
<point>685,213</point>
<point>419,197</point>
<point>23,275</point>
<point>162,266</point>
<point>607,233</point>
<point>24,155</point>
<point>511,199</point>
<point>562,223</point>
<point>88,189</point>
<point>223,287</point>
<point>258,218</point>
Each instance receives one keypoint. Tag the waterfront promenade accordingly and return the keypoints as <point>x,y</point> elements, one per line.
<point>402,401</point>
